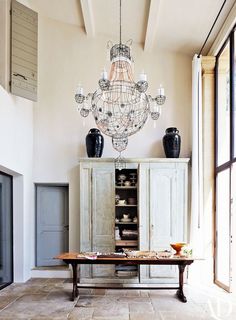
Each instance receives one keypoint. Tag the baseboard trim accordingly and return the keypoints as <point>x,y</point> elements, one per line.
<point>51,273</point>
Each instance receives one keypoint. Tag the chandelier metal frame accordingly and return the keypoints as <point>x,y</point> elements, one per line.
<point>120,106</point>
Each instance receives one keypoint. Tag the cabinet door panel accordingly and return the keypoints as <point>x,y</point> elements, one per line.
<point>162,215</point>
<point>103,217</point>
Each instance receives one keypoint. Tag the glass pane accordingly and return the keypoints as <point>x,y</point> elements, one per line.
<point>223,227</point>
<point>5,231</point>
<point>234,107</point>
<point>223,109</point>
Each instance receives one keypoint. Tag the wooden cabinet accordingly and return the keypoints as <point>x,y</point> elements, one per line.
<point>161,209</point>
<point>163,220</point>
<point>97,223</point>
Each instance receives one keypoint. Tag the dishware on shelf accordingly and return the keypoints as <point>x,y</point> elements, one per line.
<point>132,201</point>
<point>178,247</point>
<point>117,198</point>
<point>125,216</point>
<point>122,202</point>
<point>126,220</point>
<point>117,234</point>
<point>127,183</point>
<point>121,179</point>
<point>133,178</point>
<point>135,219</point>
<point>117,220</point>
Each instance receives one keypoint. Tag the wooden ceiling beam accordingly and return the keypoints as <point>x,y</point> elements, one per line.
<point>87,11</point>
<point>151,24</point>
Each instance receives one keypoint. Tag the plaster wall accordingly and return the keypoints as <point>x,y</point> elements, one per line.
<point>68,57</point>
<point>16,159</point>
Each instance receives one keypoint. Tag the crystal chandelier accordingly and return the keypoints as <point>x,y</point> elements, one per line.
<point>120,106</point>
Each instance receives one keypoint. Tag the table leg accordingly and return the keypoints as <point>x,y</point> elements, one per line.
<point>180,292</point>
<point>75,280</point>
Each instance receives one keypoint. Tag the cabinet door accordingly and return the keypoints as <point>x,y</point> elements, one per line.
<point>162,216</point>
<point>103,216</point>
<point>97,217</point>
<point>165,192</point>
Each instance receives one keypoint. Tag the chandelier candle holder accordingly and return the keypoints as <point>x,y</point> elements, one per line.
<point>120,106</point>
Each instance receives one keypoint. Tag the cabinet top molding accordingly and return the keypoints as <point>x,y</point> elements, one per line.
<point>138,160</point>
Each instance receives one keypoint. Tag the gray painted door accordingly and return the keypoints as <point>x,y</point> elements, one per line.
<point>51,223</point>
<point>6,230</point>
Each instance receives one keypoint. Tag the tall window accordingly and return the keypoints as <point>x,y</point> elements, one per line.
<point>225,159</point>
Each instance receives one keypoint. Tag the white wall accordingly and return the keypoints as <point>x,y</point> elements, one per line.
<point>54,133</point>
<point>16,158</point>
<point>66,58</point>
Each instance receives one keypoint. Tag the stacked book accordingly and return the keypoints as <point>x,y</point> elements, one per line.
<point>126,271</point>
<point>129,234</point>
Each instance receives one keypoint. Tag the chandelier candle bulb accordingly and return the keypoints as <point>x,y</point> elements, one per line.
<point>104,74</point>
<point>120,106</point>
<point>161,91</point>
<point>80,90</point>
<point>142,77</point>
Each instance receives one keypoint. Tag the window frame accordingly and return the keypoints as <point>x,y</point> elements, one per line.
<point>231,39</point>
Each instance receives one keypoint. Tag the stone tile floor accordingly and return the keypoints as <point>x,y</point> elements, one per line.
<point>49,299</point>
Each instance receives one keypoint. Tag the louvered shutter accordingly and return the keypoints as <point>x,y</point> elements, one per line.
<point>24,44</point>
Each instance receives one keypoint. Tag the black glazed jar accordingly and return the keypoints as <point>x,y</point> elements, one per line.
<point>172,143</point>
<point>94,143</point>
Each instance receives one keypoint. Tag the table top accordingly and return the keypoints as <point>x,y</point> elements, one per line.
<point>73,256</point>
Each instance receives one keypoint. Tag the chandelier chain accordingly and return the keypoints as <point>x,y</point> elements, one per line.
<point>120,22</point>
<point>120,106</point>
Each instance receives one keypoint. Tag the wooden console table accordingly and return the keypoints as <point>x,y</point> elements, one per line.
<point>73,260</point>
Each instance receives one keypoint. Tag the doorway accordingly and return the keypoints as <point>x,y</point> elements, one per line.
<point>52,223</point>
<point>6,230</point>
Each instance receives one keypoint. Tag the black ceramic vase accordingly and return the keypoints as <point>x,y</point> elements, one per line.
<point>172,143</point>
<point>94,143</point>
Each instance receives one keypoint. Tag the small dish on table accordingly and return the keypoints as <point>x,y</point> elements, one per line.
<point>178,247</point>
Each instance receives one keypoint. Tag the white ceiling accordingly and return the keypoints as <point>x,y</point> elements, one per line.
<point>178,25</point>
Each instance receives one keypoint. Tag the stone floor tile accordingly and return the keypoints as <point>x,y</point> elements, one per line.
<point>95,301</point>
<point>32,297</point>
<point>132,293</point>
<point>38,281</point>
<point>225,310</point>
<point>118,311</point>
<point>144,293</point>
<point>81,314</point>
<point>6,300</point>
<point>99,291</point>
<point>49,299</point>
<point>144,307</point>
<point>59,295</point>
<point>116,292</point>
<point>133,299</point>
<point>145,316</point>
<point>55,280</point>
<point>25,310</point>
<point>174,315</point>
<point>83,291</point>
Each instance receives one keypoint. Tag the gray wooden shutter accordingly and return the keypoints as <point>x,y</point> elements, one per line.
<point>24,43</point>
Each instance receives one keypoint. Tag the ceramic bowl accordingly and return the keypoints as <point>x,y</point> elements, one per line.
<point>122,202</point>
<point>178,247</point>
<point>122,177</point>
<point>132,201</point>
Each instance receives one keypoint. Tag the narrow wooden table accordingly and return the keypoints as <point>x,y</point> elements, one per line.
<point>73,260</point>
